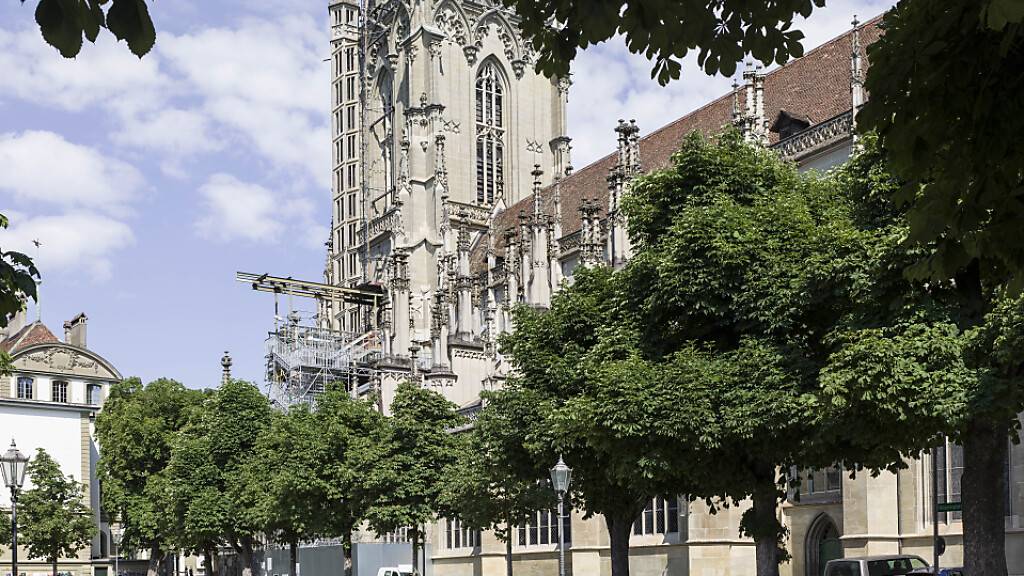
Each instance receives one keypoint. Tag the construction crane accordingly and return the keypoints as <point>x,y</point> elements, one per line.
<point>303,359</point>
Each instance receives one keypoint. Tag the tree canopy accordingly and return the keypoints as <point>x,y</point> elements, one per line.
<point>945,87</point>
<point>64,23</point>
<point>54,521</point>
<point>18,275</point>
<point>136,429</point>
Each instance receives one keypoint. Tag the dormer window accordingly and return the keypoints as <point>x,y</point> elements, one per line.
<point>790,124</point>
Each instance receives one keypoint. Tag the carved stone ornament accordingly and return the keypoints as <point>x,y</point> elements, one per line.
<point>64,360</point>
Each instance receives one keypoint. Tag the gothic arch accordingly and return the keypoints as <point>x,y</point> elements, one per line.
<point>506,33</point>
<point>491,113</point>
<point>821,545</point>
<point>452,20</point>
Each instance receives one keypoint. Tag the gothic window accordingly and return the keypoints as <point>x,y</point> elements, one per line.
<point>490,134</point>
<point>457,535</point>
<point>542,528</point>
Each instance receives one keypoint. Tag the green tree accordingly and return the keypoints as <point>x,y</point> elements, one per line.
<point>944,83</point>
<point>135,429</point>
<point>957,340</point>
<point>485,490</point>
<point>345,426</point>
<point>402,465</point>
<point>581,391</point>
<point>64,23</point>
<point>210,489</point>
<point>53,519</point>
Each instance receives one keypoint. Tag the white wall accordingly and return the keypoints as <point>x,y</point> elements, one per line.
<point>57,431</point>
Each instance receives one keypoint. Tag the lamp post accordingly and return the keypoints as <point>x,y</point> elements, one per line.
<point>116,532</point>
<point>561,475</point>
<point>12,466</point>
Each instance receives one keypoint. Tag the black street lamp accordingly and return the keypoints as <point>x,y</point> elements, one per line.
<point>561,476</point>
<point>12,466</point>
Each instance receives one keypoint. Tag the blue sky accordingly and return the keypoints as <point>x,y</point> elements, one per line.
<point>149,183</point>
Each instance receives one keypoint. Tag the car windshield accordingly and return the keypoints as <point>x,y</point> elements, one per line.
<point>894,566</point>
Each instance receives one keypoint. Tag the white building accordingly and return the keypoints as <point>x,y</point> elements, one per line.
<point>50,401</point>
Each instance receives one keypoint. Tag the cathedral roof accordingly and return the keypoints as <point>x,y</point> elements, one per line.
<point>815,87</point>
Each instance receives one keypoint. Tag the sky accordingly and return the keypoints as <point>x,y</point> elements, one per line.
<point>150,182</point>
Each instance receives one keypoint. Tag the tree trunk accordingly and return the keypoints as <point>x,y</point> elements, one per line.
<point>508,553</point>
<point>346,550</point>
<point>153,567</point>
<point>766,524</point>
<point>211,557</point>
<point>54,567</point>
<point>293,558</point>
<point>619,528</point>
<point>984,499</point>
<point>414,534</point>
<point>248,558</point>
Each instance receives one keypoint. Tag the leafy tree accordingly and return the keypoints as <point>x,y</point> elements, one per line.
<point>722,32</point>
<point>285,481</point>
<point>135,429</point>
<point>345,427</point>
<point>945,83</point>
<point>17,281</point>
<point>210,489</point>
<point>54,520</point>
<point>402,464</point>
<point>581,391</point>
<point>484,488</point>
<point>63,23</point>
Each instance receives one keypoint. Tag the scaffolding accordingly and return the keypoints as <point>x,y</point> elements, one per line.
<point>303,357</point>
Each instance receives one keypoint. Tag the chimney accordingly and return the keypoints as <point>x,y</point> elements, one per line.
<point>74,330</point>
<point>15,322</point>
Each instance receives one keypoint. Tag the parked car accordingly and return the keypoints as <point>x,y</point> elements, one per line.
<point>892,565</point>
<point>400,570</point>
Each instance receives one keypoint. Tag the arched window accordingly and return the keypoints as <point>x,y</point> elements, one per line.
<point>490,134</point>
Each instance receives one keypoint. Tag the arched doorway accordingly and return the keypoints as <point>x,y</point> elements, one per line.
<point>822,545</point>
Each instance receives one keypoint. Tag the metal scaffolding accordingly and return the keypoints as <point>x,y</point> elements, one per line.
<point>304,357</point>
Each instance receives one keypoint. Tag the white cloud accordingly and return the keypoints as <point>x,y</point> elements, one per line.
<point>237,210</point>
<point>78,241</point>
<point>169,130</point>
<point>103,73</point>
<point>43,168</point>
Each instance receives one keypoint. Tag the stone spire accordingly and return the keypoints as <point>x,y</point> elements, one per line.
<point>590,233</point>
<point>627,168</point>
<point>464,282</point>
<point>755,126</point>
<point>857,94</point>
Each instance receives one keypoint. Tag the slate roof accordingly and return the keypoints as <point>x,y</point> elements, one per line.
<point>815,86</point>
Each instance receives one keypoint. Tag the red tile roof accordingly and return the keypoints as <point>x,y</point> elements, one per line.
<point>816,86</point>
<point>30,335</point>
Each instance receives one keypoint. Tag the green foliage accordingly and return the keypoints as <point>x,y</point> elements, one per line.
<point>136,429</point>
<point>210,471</point>
<point>485,487</point>
<point>53,519</point>
<point>63,23</point>
<point>402,464</point>
<point>5,530</point>
<point>722,32</point>
<point>945,88</point>
<point>17,283</point>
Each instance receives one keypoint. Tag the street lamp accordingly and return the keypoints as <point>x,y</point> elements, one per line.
<point>12,466</point>
<point>561,476</point>
<point>116,532</point>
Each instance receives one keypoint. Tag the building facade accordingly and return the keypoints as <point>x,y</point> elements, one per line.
<point>50,401</point>
<point>454,196</point>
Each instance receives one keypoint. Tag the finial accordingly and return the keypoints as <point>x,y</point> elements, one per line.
<point>225,362</point>
<point>855,22</point>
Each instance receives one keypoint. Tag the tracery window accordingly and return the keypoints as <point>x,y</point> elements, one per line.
<point>490,134</point>
<point>661,516</point>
